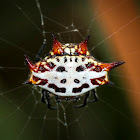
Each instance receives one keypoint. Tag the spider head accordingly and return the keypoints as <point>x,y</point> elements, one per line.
<point>59,49</point>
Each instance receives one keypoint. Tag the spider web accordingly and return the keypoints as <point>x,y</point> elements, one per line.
<point>25,26</point>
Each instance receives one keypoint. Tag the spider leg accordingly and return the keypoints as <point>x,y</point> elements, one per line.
<point>40,51</point>
<point>46,99</point>
<point>58,100</point>
<point>43,98</point>
<point>95,97</point>
<point>85,101</point>
<point>76,99</point>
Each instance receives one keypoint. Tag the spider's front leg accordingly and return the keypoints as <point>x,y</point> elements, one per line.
<point>46,99</point>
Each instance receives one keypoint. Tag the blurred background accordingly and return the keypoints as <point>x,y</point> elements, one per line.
<point>114,32</point>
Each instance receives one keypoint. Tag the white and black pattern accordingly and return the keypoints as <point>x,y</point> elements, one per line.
<point>69,76</point>
<point>69,71</point>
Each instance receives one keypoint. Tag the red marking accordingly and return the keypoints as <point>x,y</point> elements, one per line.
<point>98,69</point>
<point>101,79</point>
<point>94,82</point>
<point>42,69</point>
<point>106,66</point>
<point>57,46</point>
<point>43,82</point>
<point>35,79</point>
<point>82,47</point>
<point>30,65</point>
<point>109,66</point>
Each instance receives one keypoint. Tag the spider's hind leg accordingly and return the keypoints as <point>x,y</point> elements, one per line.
<point>94,95</point>
<point>40,51</point>
<point>58,100</point>
<point>85,101</point>
<point>46,99</point>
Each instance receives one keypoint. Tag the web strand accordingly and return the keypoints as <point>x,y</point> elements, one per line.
<point>120,29</point>
<point>42,20</point>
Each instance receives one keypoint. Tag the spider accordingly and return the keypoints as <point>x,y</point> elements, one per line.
<point>68,72</point>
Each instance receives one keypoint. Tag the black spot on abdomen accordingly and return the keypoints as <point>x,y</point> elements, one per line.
<point>76,81</point>
<point>80,68</point>
<point>51,65</point>
<point>83,59</point>
<point>57,89</point>
<point>79,89</point>
<point>65,59</point>
<point>58,60</point>
<point>63,81</point>
<point>60,69</point>
<point>76,59</point>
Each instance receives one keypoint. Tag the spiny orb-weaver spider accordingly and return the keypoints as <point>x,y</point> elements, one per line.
<point>68,72</point>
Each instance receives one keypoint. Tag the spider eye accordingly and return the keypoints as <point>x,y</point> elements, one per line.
<point>80,68</point>
<point>60,69</point>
